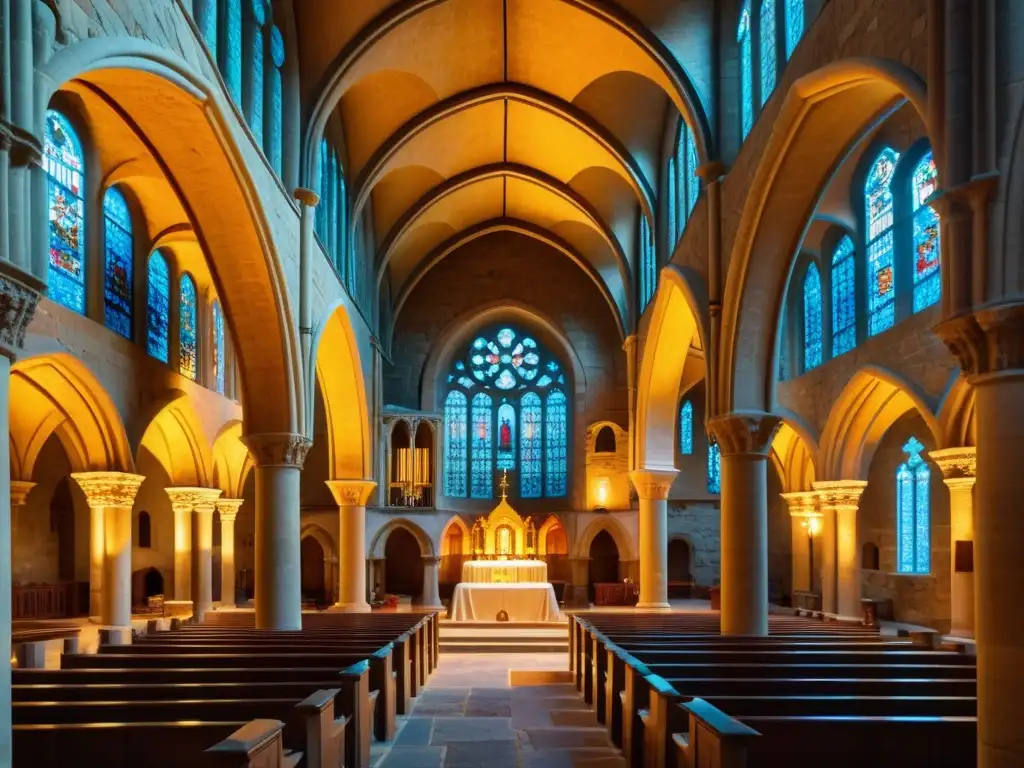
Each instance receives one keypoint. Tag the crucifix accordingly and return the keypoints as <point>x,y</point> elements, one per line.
<point>504,483</point>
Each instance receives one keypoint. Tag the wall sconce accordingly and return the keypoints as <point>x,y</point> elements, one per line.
<point>601,492</point>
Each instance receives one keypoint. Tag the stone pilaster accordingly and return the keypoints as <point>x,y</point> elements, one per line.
<point>351,497</point>
<point>838,501</point>
<point>228,511</point>
<point>803,509</point>
<point>652,488</point>
<point>959,471</point>
<point>183,502</point>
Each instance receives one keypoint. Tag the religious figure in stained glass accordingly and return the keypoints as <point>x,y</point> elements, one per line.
<point>913,511</point>
<point>844,298</point>
<point>219,363</point>
<point>65,171</point>
<point>812,318</point>
<point>746,71</point>
<point>767,49</point>
<point>794,25</point>
<point>506,436</point>
<point>878,200</point>
<point>927,285</point>
<point>158,307</point>
<point>188,338</point>
<point>119,248</point>
<point>455,450</point>
<point>686,428</point>
<point>714,467</point>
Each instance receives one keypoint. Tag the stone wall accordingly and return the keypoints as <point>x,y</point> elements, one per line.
<point>700,525</point>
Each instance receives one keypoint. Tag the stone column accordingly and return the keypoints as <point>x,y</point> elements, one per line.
<point>431,591</point>
<point>840,499</point>
<point>228,509</point>
<point>652,486</point>
<point>202,553</point>
<point>19,296</point>
<point>958,467</point>
<point>803,506</point>
<point>183,502</point>
<point>351,496</point>
<point>279,458</point>
<point>744,440</point>
<point>97,548</point>
<point>114,494</point>
<point>20,490</point>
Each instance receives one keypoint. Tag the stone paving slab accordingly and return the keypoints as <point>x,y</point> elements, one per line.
<point>413,757</point>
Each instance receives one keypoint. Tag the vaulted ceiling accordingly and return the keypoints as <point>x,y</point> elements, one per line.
<point>461,117</point>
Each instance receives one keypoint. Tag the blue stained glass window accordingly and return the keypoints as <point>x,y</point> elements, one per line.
<point>714,467</point>
<point>65,171</point>
<point>119,248</point>
<point>332,205</point>
<point>506,436</point>
<point>913,480</point>
<point>482,460</point>
<point>219,361</point>
<point>188,336</point>
<point>555,445</point>
<point>844,298</point>
<point>927,285</point>
<point>812,318</point>
<point>673,192</point>
<point>878,200</point>
<point>158,307</point>
<point>648,265</point>
<point>794,24</point>
<point>206,19</point>
<point>692,179</point>
<point>256,44</point>
<point>455,448</point>
<point>320,221</point>
<point>231,49</point>
<point>273,120</point>
<point>767,49</point>
<point>686,428</point>
<point>530,446</point>
<point>746,73</point>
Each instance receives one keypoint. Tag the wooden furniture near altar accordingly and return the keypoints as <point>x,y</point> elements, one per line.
<point>616,593</point>
<point>45,601</point>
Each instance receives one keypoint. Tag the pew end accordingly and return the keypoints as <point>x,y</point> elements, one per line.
<point>357,706</point>
<point>257,744</point>
<point>325,734</point>
<point>714,739</point>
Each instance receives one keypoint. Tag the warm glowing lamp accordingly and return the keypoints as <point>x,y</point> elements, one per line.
<point>601,491</point>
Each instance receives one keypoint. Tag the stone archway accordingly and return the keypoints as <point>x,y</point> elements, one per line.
<point>403,566</point>
<point>604,562</point>
<point>314,583</point>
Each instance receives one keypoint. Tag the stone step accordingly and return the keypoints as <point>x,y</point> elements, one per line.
<point>560,625</point>
<point>508,645</point>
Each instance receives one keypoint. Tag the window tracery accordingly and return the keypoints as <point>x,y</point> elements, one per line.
<point>188,352</point>
<point>65,171</point>
<point>913,510</point>
<point>878,201</point>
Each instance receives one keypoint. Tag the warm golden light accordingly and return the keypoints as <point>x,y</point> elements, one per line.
<point>814,525</point>
<point>601,491</point>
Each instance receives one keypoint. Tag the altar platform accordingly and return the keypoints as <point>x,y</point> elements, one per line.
<point>523,602</point>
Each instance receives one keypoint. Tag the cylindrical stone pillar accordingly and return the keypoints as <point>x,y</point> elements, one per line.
<point>652,487</point>
<point>803,506</point>
<point>840,498</point>
<point>744,440</point>
<point>97,547</point>
<point>431,591</point>
<point>958,467</point>
<point>351,496</point>
<point>228,510</point>
<point>202,564</point>
<point>279,458</point>
<point>182,500</point>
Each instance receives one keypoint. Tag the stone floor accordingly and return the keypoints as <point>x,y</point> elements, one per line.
<point>486,711</point>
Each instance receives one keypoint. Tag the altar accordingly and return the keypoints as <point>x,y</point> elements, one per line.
<point>525,601</point>
<point>504,571</point>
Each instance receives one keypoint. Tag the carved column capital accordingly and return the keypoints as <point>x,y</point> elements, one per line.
<point>186,499</point>
<point>19,296</point>
<point>839,494</point>
<point>653,483</point>
<point>108,489</point>
<point>802,503</point>
<point>228,509</point>
<point>744,433</point>
<point>20,489</point>
<point>307,197</point>
<point>278,449</point>
<point>987,342</point>
<point>958,465</point>
<point>351,493</point>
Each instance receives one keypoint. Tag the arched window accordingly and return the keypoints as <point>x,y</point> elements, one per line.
<point>913,479</point>
<point>145,530</point>
<point>879,218</point>
<point>927,285</point>
<point>844,298</point>
<point>65,171</point>
<point>605,441</point>
<point>455,449</point>
<point>673,204</point>
<point>684,183</point>
<point>188,345</point>
<point>513,388</point>
<point>119,248</point>
<point>714,467</point>
<point>686,428</point>
<point>230,50</point>
<point>332,214</point>
<point>812,317</point>
<point>746,75</point>
<point>206,20</point>
<point>255,44</point>
<point>794,24</point>
<point>274,121</point>
<point>219,363</point>
<point>767,49</point>
<point>648,264</point>
<point>158,307</point>
<point>692,179</point>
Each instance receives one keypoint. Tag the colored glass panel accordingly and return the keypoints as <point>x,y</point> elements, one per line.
<point>927,284</point>
<point>812,318</point>
<point>648,265</point>
<point>119,253</point>
<point>188,338</point>
<point>913,536</point>
<point>844,298</point>
<point>219,361</point>
<point>506,436</point>
<point>482,475</point>
<point>158,307</point>
<point>455,446</point>
<point>555,480</point>
<point>530,441</point>
<point>272,143</point>
<point>686,428</point>
<point>746,75</point>
<point>206,19</point>
<point>673,191</point>
<point>231,51</point>
<point>714,467</point>
<point>65,170</point>
<point>794,24</point>
<point>767,49</point>
<point>254,85</point>
<point>878,198</point>
<point>692,179</point>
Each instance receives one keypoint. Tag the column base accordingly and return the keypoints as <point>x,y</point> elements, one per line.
<point>350,608</point>
<point>659,607</point>
<point>115,635</point>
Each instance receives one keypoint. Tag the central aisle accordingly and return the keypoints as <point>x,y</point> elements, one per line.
<point>487,711</point>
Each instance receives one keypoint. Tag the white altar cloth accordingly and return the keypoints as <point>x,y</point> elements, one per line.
<point>522,602</point>
<point>504,571</point>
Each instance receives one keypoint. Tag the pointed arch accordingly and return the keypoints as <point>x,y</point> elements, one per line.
<point>175,437</point>
<point>457,522</point>
<point>380,538</point>
<point>231,460</point>
<point>795,451</point>
<point>615,529</point>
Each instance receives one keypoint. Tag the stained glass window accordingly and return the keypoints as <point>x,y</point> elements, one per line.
<point>844,298</point>
<point>794,24</point>
<point>686,428</point>
<point>206,19</point>
<point>674,184</point>
<point>714,467</point>
<point>231,49</point>
<point>530,446</point>
<point>648,265</point>
<point>119,253</point>
<point>273,121</point>
<point>878,201</point>
<point>927,285</point>
<point>812,318</point>
<point>692,179</point>
<point>219,361</point>
<point>188,344</point>
<point>913,480</point>
<point>256,19</point>
<point>65,170</point>
<point>455,449</point>
<point>767,49</point>
<point>320,220</point>
<point>684,183</point>
<point>482,460</point>
<point>158,307</point>
<point>506,436</point>
<point>746,75</point>
<point>555,445</point>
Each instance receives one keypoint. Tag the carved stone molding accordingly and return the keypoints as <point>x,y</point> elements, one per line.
<point>20,489</point>
<point>19,296</point>
<point>653,483</point>
<point>108,489</point>
<point>278,449</point>
<point>839,494</point>
<point>351,493</point>
<point>986,342</point>
<point>24,147</point>
<point>956,463</point>
<point>228,509</point>
<point>802,503</point>
<point>187,499</point>
<point>749,433</point>
<point>307,197</point>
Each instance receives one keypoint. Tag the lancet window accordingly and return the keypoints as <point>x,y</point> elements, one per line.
<point>913,511</point>
<point>65,171</point>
